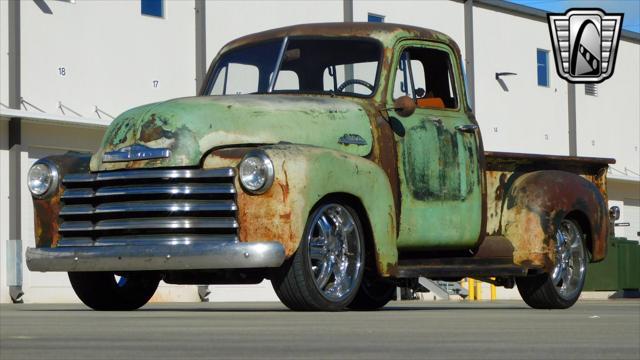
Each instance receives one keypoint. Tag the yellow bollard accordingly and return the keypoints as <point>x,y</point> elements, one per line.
<point>472,288</point>
<point>493,291</point>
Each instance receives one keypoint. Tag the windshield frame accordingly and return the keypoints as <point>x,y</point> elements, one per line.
<point>214,70</point>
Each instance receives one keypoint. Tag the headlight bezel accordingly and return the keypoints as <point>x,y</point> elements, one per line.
<point>54,176</point>
<point>270,172</point>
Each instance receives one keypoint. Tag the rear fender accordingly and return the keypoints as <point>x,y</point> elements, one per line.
<point>535,205</point>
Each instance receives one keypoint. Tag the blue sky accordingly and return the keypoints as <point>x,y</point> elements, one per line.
<point>630,8</point>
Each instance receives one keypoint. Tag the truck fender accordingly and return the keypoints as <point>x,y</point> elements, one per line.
<point>535,205</point>
<point>303,176</point>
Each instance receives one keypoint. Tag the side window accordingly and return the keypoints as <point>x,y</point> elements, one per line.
<point>236,79</point>
<point>427,76</point>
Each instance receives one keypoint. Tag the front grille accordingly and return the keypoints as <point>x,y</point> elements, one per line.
<point>138,207</point>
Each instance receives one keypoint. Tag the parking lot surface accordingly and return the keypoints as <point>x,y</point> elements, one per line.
<point>406,330</point>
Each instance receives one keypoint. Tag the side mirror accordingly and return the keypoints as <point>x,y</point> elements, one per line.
<point>404,106</point>
<point>614,213</point>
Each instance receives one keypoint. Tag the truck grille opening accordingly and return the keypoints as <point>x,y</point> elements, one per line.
<point>136,207</point>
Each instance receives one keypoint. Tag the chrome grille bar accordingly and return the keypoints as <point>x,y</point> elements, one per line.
<point>129,175</point>
<point>174,223</point>
<point>119,207</point>
<point>144,240</point>
<point>158,206</point>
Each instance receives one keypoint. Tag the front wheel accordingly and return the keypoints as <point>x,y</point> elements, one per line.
<point>106,291</point>
<point>562,287</point>
<point>326,271</point>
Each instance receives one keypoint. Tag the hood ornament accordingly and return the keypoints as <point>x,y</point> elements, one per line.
<point>136,152</point>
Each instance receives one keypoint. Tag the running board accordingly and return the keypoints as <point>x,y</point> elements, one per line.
<point>458,267</point>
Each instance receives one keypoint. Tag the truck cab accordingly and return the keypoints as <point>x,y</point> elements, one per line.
<point>336,160</point>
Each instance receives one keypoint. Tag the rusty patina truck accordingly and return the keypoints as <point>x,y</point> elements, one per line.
<point>338,161</point>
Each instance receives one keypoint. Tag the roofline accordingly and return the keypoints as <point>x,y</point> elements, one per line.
<point>54,119</point>
<point>540,14</point>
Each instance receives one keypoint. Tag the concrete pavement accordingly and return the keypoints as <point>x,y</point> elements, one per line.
<point>407,330</point>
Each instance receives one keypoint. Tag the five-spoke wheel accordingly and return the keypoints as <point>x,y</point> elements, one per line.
<point>327,269</point>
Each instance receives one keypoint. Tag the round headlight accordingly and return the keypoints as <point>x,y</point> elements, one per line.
<point>41,179</point>
<point>256,172</point>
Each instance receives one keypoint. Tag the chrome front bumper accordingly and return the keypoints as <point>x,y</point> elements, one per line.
<point>201,255</point>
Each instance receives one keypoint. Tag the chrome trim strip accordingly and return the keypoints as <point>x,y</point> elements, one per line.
<point>178,223</point>
<point>200,255</point>
<point>82,209</point>
<point>168,206</point>
<point>149,174</point>
<point>143,240</point>
<point>171,206</point>
<point>81,193</point>
<point>166,223</point>
<point>167,189</point>
<point>75,226</point>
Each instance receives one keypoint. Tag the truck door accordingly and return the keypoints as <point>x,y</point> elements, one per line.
<point>438,149</point>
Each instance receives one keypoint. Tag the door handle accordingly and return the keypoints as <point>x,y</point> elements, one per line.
<point>471,128</point>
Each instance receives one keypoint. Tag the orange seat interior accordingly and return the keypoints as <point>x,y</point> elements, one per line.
<point>431,102</point>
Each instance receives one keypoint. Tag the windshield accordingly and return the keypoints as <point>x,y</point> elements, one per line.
<point>302,65</point>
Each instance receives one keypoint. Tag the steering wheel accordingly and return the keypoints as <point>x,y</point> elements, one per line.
<point>354,82</point>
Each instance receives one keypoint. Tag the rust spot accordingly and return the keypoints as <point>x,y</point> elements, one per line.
<point>46,211</point>
<point>152,130</point>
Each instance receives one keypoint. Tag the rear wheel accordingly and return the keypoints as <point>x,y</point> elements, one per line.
<point>325,272</point>
<point>562,287</point>
<point>106,291</point>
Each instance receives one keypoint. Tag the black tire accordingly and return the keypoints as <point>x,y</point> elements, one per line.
<point>542,292</point>
<point>101,291</point>
<point>374,293</point>
<point>295,282</point>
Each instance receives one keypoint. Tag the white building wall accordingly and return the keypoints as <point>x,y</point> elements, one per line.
<point>609,124</point>
<point>224,18</point>
<point>517,115</point>
<point>4,49</point>
<point>111,54</point>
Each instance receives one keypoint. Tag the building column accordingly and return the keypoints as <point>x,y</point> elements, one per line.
<point>573,138</point>
<point>201,43</point>
<point>14,243</point>
<point>468,52</point>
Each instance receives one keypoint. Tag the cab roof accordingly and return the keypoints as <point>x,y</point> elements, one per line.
<point>388,34</point>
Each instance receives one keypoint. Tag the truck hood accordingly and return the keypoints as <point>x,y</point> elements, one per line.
<point>190,127</point>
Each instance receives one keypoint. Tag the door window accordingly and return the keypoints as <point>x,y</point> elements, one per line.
<point>426,75</point>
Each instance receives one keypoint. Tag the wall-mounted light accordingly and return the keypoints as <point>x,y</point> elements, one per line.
<point>498,74</point>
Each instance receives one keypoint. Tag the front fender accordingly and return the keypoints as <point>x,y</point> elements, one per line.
<point>535,205</point>
<point>303,176</point>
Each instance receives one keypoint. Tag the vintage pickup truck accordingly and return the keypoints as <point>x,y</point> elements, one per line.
<point>337,160</point>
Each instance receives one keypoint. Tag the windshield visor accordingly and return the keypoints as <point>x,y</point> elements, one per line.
<point>302,65</point>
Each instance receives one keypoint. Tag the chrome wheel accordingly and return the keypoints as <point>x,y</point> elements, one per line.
<point>570,269</point>
<point>335,253</point>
